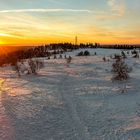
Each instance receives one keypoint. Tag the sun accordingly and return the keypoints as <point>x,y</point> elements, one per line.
<point>1,42</point>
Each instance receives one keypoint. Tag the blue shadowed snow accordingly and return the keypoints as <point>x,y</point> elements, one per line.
<point>75,102</point>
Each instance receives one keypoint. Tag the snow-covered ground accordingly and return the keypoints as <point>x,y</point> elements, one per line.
<point>75,102</point>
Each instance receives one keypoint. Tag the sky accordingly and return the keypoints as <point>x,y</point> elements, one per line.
<point>33,22</point>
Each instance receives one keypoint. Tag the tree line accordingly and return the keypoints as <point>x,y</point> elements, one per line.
<point>52,49</point>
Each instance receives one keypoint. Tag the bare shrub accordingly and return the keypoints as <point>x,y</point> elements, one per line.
<point>40,64</point>
<point>33,66</point>
<point>104,59</point>
<point>69,60</point>
<point>28,67</point>
<point>16,68</point>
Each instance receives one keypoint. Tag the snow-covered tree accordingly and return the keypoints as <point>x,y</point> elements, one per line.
<point>121,70</point>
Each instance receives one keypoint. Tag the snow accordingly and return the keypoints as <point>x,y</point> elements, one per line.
<point>71,102</point>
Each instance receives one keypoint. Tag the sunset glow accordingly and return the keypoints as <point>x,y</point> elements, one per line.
<point>1,42</point>
<point>48,21</point>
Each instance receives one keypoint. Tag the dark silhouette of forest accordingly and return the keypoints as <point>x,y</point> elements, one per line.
<point>53,49</point>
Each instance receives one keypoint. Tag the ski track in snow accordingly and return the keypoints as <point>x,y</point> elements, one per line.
<point>78,102</point>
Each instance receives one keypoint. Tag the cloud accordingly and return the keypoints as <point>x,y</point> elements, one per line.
<point>43,10</point>
<point>117,6</point>
<point>10,35</point>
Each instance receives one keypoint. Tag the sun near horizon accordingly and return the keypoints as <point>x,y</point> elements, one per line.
<point>32,22</point>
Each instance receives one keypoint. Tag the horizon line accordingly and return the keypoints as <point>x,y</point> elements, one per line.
<point>30,45</point>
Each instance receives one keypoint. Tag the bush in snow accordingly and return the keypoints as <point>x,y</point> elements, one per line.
<point>121,70</point>
<point>123,54</point>
<point>104,59</point>
<point>28,67</point>
<point>85,53</point>
<point>69,60</point>
<point>35,65</point>
<point>16,68</point>
<point>80,53</point>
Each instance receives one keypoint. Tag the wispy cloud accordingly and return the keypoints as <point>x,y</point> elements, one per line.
<point>9,35</point>
<point>44,10</point>
<point>117,6</point>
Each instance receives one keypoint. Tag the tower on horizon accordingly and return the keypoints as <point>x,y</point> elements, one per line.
<point>76,40</point>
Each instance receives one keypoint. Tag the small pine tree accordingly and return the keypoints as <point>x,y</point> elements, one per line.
<point>80,53</point>
<point>86,53</point>
<point>121,70</point>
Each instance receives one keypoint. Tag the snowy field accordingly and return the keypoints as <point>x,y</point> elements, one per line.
<point>75,102</point>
